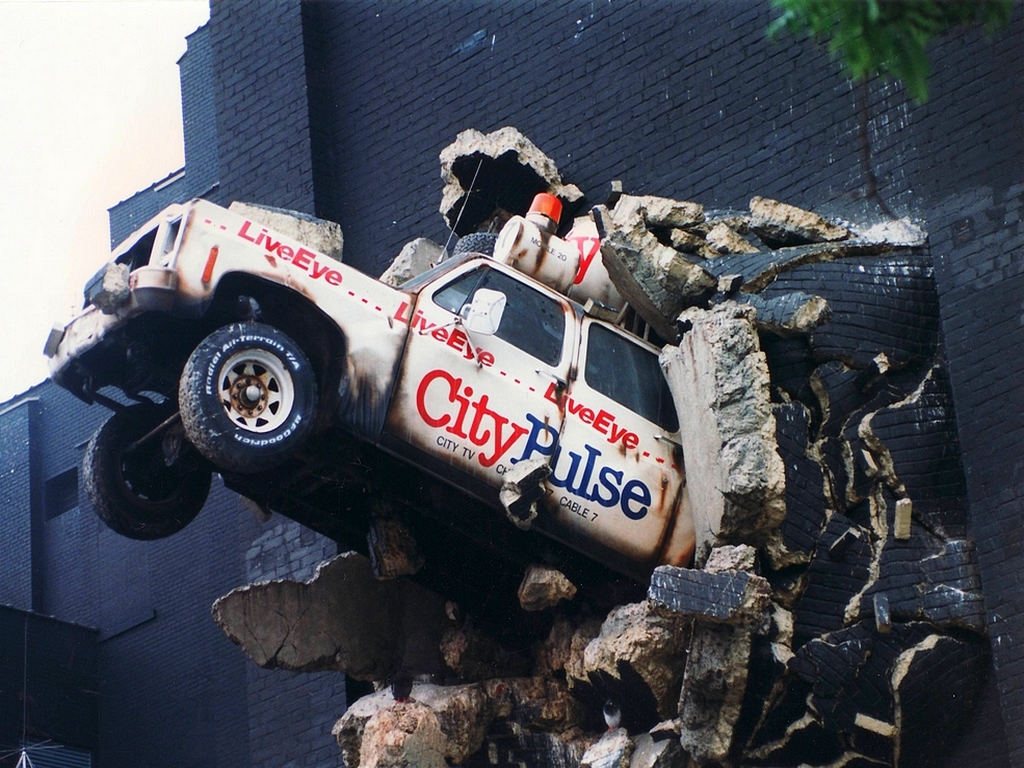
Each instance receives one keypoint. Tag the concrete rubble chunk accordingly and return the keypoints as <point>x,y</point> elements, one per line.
<point>658,212</point>
<point>727,596</point>
<point>637,660</point>
<point>344,619</point>
<point>779,224</point>
<point>447,720</point>
<point>650,752</point>
<point>474,656</point>
<point>393,550</point>
<point>719,381</point>
<point>612,750</point>
<point>317,234</point>
<point>504,169</point>
<point>687,242</point>
<point>792,313</point>
<point>544,587</point>
<point>721,239</point>
<point>655,279</point>
<point>713,689</point>
<point>113,290</point>
<point>739,557</point>
<point>416,257</point>
<point>522,487</point>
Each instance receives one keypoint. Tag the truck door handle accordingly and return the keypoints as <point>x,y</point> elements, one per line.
<point>559,381</point>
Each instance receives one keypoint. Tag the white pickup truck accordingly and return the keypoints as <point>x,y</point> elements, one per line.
<point>238,348</point>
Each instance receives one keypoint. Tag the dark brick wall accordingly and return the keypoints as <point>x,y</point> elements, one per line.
<point>17,498</point>
<point>680,99</point>
<point>262,111</point>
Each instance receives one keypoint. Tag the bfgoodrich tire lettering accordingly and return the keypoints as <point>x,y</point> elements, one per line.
<point>132,489</point>
<point>247,397</point>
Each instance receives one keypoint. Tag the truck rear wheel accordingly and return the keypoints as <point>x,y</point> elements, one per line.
<point>132,487</point>
<point>247,397</point>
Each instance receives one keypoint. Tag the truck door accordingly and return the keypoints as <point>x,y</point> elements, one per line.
<point>473,403</point>
<point>617,480</point>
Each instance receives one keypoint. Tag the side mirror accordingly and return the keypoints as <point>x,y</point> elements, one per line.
<point>483,314</point>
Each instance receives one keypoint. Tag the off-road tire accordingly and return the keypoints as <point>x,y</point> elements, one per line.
<point>477,242</point>
<point>248,397</point>
<point>134,492</point>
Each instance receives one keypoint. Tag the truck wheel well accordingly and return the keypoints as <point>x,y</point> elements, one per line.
<point>320,338</point>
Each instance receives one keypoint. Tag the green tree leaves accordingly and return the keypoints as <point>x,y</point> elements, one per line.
<point>885,37</point>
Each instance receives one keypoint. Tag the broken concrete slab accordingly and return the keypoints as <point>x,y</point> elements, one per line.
<point>664,752</point>
<point>714,684</point>
<point>636,660</point>
<point>473,655</point>
<point>719,381</point>
<point>445,721</point>
<point>656,212</point>
<point>495,174</point>
<point>791,313</point>
<point>544,587</point>
<point>416,257</point>
<point>779,224</point>
<point>727,596</point>
<point>655,279</point>
<point>317,234</point>
<point>612,750</point>
<point>344,619</point>
<point>722,239</point>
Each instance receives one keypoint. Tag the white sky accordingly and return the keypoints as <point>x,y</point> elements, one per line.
<point>90,113</point>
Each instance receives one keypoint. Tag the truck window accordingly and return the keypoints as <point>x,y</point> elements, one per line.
<point>533,322</point>
<point>630,375</point>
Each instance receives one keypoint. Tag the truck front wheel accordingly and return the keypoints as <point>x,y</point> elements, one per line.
<point>133,486</point>
<point>247,397</point>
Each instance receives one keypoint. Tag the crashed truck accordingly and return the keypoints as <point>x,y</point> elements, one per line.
<point>237,350</point>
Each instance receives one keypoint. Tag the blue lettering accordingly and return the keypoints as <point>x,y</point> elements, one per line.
<point>634,490</point>
<point>634,498</point>
<point>534,443</point>
<point>607,474</point>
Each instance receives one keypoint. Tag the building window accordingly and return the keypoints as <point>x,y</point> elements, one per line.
<point>61,493</point>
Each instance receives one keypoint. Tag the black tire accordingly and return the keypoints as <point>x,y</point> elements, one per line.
<point>134,491</point>
<point>247,397</point>
<point>477,242</point>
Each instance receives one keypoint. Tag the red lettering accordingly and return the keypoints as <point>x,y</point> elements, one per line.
<point>400,313</point>
<point>285,252</point>
<point>271,245</point>
<point>318,269</point>
<point>302,258</point>
<point>486,359</point>
<point>441,334</point>
<point>421,396</point>
<point>242,232</point>
<point>587,415</point>
<point>588,247</point>
<point>617,432</point>
<point>631,440</point>
<point>551,394</point>
<point>333,277</point>
<point>602,421</point>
